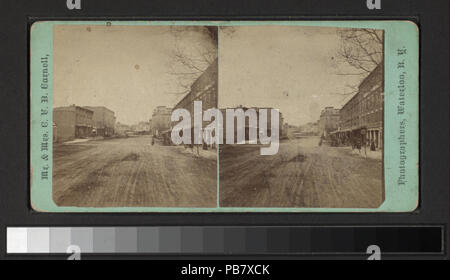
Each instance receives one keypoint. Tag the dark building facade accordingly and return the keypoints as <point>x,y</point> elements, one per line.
<point>362,117</point>
<point>203,89</point>
<point>104,120</point>
<point>72,122</point>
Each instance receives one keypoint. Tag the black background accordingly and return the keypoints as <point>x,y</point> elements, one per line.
<point>17,15</point>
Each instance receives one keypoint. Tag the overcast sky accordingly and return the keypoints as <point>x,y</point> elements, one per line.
<point>124,68</point>
<point>290,68</point>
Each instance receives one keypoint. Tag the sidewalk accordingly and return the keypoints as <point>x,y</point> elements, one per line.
<point>378,155</point>
<point>75,141</point>
<point>82,140</point>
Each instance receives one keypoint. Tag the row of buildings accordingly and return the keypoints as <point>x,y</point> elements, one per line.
<point>73,121</point>
<point>80,122</point>
<point>361,118</point>
<point>70,122</point>
<point>139,128</point>
<point>310,129</point>
<point>205,89</point>
<point>83,121</point>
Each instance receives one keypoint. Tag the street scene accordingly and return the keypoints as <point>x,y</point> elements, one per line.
<point>302,174</point>
<point>130,171</point>
<point>112,133</point>
<point>328,85</point>
<point>315,94</point>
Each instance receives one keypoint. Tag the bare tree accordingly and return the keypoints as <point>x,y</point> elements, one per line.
<point>362,49</point>
<point>188,63</point>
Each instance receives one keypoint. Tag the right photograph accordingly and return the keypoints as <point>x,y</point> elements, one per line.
<point>303,111</point>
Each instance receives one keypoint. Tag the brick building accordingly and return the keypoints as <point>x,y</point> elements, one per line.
<point>203,89</point>
<point>361,118</point>
<point>72,122</point>
<point>329,121</point>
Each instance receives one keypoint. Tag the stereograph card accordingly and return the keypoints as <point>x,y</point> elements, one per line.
<point>226,116</point>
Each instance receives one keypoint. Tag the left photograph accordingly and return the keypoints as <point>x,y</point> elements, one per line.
<point>114,91</point>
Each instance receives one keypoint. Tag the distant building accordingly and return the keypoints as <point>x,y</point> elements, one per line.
<point>203,89</point>
<point>161,119</point>
<point>361,118</point>
<point>72,122</point>
<point>104,120</point>
<point>143,127</point>
<point>311,128</point>
<point>121,128</point>
<point>329,121</point>
<point>291,130</point>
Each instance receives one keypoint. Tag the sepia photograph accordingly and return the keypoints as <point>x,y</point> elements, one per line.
<point>218,117</point>
<point>114,90</point>
<point>327,85</point>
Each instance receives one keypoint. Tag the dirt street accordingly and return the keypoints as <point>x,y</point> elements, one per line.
<point>302,174</point>
<point>131,172</point>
